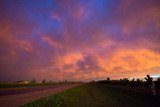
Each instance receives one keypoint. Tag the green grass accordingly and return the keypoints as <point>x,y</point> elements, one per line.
<point>14,85</point>
<point>95,95</point>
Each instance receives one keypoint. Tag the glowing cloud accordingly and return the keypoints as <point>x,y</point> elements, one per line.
<point>79,40</point>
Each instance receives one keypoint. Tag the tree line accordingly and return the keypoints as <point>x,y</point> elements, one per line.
<point>148,83</point>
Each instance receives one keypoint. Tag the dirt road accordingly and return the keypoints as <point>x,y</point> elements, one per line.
<point>18,96</point>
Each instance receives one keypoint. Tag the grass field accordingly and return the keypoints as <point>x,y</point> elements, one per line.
<point>96,95</point>
<point>14,85</point>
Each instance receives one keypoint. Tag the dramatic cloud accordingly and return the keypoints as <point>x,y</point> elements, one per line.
<point>79,39</point>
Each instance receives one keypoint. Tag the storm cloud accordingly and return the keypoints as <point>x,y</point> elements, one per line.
<point>79,39</point>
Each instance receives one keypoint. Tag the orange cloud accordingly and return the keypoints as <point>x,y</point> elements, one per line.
<point>72,58</point>
<point>136,59</point>
<point>67,62</point>
<point>127,62</point>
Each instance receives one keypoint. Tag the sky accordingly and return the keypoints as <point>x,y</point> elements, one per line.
<point>79,40</point>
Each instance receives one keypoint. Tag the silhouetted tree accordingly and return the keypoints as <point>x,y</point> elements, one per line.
<point>108,79</point>
<point>158,79</point>
<point>50,81</point>
<point>139,83</point>
<point>150,84</point>
<point>124,82</point>
<point>132,82</point>
<point>157,83</point>
<point>44,81</point>
<point>65,81</point>
<point>92,81</point>
<point>149,80</point>
<point>33,81</point>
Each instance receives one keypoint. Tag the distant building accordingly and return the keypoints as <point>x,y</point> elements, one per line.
<point>22,82</point>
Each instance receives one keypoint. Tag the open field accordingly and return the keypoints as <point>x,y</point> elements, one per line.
<point>15,85</point>
<point>13,97</point>
<point>97,95</point>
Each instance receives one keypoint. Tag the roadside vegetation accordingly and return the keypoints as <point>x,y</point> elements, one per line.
<point>134,82</point>
<point>14,85</point>
<point>30,83</point>
<point>96,95</point>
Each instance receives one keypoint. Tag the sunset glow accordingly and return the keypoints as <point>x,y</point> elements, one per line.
<point>79,40</point>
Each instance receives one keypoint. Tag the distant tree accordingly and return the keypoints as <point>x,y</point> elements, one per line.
<point>158,79</point>
<point>132,82</point>
<point>149,80</point>
<point>150,84</point>
<point>33,81</point>
<point>124,81</point>
<point>157,83</point>
<point>65,81</point>
<point>108,79</point>
<point>92,81</point>
<point>139,83</point>
<point>20,81</point>
<point>50,81</point>
<point>44,81</point>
